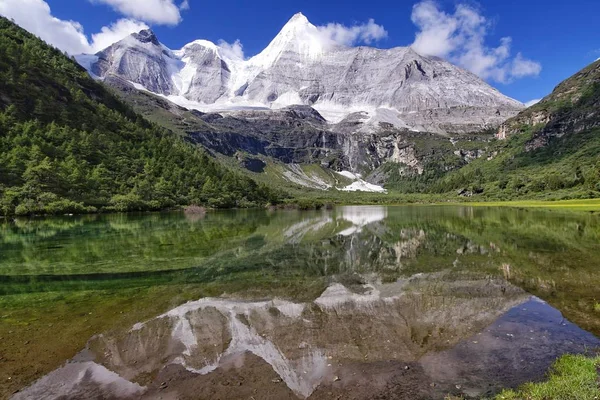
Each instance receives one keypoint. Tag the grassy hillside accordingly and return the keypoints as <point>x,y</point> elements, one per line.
<point>549,151</point>
<point>69,145</point>
<point>568,167</point>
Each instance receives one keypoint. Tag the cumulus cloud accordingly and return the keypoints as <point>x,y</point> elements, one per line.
<point>532,102</point>
<point>162,12</point>
<point>351,35</point>
<point>460,37</point>
<point>325,36</point>
<point>36,17</point>
<point>233,50</point>
<point>523,67</point>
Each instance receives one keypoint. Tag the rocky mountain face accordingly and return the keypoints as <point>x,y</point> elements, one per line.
<point>139,58</point>
<point>299,135</point>
<point>394,86</point>
<point>305,100</point>
<point>558,137</point>
<point>573,107</point>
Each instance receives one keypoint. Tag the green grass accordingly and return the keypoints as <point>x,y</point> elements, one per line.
<point>573,377</point>
<point>396,198</point>
<point>578,204</point>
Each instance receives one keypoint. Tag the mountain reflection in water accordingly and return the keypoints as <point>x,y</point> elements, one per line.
<point>417,302</point>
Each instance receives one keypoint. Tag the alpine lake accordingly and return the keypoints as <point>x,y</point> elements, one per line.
<point>399,302</point>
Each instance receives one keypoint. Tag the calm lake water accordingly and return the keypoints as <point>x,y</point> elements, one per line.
<point>353,303</point>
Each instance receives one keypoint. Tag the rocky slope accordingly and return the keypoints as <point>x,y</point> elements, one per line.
<point>551,147</point>
<point>573,107</point>
<point>395,86</point>
<point>295,137</point>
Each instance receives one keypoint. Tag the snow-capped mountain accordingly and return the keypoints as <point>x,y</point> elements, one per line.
<point>299,66</point>
<point>140,58</point>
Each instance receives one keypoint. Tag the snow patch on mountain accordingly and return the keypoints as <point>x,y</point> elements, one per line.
<point>359,184</point>
<point>363,186</point>
<point>302,66</point>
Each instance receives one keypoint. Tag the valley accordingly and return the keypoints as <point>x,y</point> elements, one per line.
<point>452,156</point>
<point>297,155</point>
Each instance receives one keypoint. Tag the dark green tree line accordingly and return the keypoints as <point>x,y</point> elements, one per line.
<point>68,145</point>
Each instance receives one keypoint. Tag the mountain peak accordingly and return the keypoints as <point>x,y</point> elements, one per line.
<point>297,36</point>
<point>298,18</point>
<point>146,36</point>
<point>296,25</point>
<point>202,43</point>
<point>305,64</point>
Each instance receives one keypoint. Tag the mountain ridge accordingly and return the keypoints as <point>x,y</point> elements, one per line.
<point>578,94</point>
<point>301,66</point>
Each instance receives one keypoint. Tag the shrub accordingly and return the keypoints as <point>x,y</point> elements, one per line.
<point>127,202</point>
<point>65,206</point>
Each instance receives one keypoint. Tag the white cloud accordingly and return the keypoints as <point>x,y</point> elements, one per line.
<point>36,17</point>
<point>162,12</point>
<point>348,36</point>
<point>324,36</point>
<point>436,30</point>
<point>233,50</point>
<point>460,38</point>
<point>532,102</point>
<point>523,67</point>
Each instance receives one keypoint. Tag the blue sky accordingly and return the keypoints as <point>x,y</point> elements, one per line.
<point>549,41</point>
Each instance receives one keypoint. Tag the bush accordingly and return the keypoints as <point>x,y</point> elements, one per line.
<point>27,207</point>
<point>308,204</point>
<point>67,207</point>
<point>127,202</point>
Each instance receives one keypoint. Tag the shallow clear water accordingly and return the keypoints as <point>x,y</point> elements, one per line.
<point>357,302</point>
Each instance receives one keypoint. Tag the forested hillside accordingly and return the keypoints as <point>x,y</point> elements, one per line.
<point>550,150</point>
<point>69,145</point>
